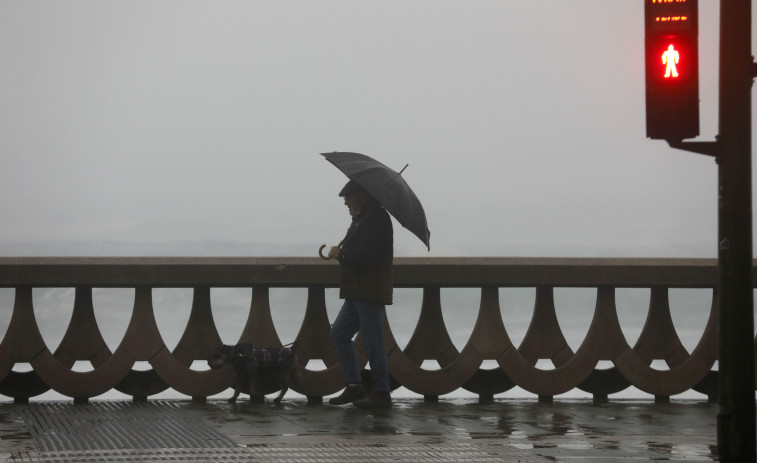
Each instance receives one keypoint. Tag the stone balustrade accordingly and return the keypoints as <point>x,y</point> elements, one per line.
<point>544,339</point>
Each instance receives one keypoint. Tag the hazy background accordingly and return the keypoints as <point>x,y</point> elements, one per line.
<point>186,127</point>
<point>193,128</point>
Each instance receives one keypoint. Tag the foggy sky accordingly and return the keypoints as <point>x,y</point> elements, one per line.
<point>186,121</point>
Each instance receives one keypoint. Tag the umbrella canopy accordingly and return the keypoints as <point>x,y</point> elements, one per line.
<point>387,187</point>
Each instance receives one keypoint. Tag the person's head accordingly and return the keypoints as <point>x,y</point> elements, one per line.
<point>355,197</point>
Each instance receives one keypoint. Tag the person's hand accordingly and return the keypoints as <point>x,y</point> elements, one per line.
<point>334,252</point>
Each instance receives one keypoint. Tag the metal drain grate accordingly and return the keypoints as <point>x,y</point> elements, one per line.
<point>159,432</point>
<point>111,425</point>
<point>143,456</point>
<point>327,453</point>
<point>360,453</point>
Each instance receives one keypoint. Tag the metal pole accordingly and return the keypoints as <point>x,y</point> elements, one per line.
<point>736,415</point>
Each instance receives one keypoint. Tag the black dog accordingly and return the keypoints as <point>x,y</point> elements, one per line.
<point>258,370</point>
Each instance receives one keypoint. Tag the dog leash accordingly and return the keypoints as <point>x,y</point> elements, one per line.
<point>289,344</point>
<point>309,336</point>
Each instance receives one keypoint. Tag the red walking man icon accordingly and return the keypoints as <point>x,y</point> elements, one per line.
<point>670,58</point>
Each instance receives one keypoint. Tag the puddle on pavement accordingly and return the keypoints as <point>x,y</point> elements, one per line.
<point>524,446</point>
<point>687,451</point>
<point>575,446</point>
<point>684,451</point>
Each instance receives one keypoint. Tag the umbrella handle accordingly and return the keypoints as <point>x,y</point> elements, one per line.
<point>320,251</point>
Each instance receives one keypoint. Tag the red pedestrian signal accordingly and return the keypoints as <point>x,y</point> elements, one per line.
<point>670,59</point>
<point>672,69</point>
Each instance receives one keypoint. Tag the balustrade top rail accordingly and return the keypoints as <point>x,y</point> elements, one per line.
<point>306,271</point>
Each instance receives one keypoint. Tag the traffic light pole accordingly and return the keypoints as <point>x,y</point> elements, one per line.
<point>736,415</point>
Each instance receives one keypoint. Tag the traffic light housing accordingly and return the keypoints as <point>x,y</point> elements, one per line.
<point>672,68</point>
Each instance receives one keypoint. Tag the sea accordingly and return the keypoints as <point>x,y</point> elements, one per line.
<point>690,309</point>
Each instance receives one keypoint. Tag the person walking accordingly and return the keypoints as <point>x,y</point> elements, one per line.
<point>365,259</point>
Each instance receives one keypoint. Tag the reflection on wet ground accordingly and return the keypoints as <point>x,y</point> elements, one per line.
<point>562,431</point>
<point>523,431</point>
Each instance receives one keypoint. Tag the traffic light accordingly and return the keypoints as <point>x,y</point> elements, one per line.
<point>672,68</point>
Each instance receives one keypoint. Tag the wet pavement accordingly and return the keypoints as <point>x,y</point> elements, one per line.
<point>459,430</point>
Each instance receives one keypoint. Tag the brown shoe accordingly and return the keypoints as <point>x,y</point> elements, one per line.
<point>375,400</point>
<point>350,394</point>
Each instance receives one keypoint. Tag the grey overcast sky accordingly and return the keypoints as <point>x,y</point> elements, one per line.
<point>188,121</point>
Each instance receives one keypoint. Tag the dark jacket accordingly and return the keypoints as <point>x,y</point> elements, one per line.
<point>366,257</point>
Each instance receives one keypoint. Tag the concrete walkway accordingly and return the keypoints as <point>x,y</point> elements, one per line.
<point>413,431</point>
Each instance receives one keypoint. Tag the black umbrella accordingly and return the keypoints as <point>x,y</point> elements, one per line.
<point>387,187</point>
